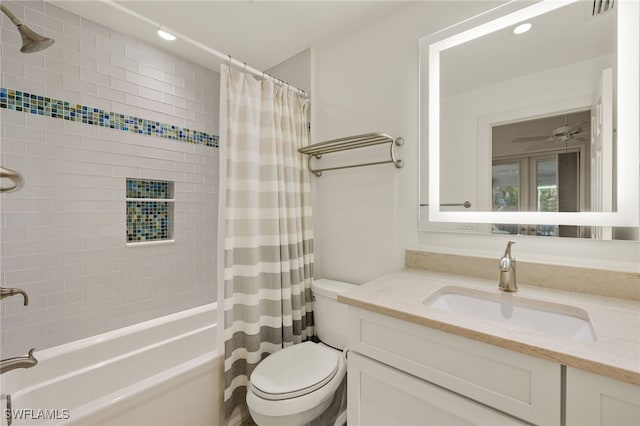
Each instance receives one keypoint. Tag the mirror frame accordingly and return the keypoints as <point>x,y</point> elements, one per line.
<point>628,126</point>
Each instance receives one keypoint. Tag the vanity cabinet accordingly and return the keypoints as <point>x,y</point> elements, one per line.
<point>405,373</point>
<point>597,400</point>
<point>382,395</point>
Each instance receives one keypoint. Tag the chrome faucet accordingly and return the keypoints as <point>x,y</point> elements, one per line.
<point>7,292</point>
<point>18,362</point>
<point>508,270</point>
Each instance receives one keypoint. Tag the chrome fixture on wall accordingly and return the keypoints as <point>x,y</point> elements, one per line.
<point>31,41</point>
<point>18,362</point>
<point>7,292</point>
<point>13,176</point>
<point>352,142</point>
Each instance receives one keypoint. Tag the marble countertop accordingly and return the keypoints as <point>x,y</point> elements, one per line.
<point>616,322</point>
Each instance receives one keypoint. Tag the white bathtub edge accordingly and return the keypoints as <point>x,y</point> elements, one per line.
<point>110,335</point>
<point>106,363</point>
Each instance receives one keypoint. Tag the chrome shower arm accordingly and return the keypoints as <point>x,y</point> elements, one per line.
<point>11,16</point>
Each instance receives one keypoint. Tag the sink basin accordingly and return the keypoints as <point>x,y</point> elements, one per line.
<point>552,318</point>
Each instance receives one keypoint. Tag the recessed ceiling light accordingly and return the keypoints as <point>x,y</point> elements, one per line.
<point>165,35</point>
<point>522,28</point>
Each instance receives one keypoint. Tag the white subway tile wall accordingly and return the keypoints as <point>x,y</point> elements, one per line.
<point>63,235</point>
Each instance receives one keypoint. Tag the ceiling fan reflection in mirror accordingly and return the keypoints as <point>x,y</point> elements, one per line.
<point>569,132</point>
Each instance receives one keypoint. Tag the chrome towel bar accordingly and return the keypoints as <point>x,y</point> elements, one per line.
<point>353,142</point>
<point>13,176</point>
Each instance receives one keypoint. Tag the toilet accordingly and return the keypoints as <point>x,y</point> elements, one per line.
<point>295,385</point>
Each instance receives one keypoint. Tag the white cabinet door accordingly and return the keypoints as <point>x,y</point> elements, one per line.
<point>597,400</point>
<point>520,385</point>
<point>381,395</point>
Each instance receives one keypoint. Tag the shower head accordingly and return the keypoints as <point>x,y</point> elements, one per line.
<point>31,41</point>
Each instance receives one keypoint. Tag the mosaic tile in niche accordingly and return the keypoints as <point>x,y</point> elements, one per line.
<point>147,221</point>
<point>140,188</point>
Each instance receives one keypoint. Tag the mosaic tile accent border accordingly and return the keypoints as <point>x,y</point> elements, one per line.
<point>16,100</point>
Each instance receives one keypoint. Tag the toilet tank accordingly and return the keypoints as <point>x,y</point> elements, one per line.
<point>330,316</point>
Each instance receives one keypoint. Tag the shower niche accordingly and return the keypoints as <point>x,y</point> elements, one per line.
<point>150,211</point>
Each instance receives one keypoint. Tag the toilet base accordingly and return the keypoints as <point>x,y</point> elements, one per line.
<point>299,419</point>
<point>336,413</point>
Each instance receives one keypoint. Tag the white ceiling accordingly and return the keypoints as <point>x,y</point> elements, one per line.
<point>258,32</point>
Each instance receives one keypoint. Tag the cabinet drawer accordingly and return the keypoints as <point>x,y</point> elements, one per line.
<point>520,385</point>
<point>382,395</point>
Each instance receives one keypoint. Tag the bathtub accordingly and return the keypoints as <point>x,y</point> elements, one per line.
<point>166,371</point>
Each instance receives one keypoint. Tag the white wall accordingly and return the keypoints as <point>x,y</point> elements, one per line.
<point>367,217</point>
<point>64,234</point>
<point>296,70</point>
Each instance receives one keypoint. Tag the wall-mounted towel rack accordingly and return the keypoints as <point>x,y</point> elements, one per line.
<point>353,142</point>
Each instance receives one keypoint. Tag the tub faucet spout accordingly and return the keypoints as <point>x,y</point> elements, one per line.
<point>508,270</point>
<point>18,362</point>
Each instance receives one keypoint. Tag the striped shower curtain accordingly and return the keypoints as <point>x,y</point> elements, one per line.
<point>267,225</point>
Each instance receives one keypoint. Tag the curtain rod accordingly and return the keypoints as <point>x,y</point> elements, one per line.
<point>226,58</point>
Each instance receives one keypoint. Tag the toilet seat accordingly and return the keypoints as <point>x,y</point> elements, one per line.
<point>270,411</point>
<point>294,371</point>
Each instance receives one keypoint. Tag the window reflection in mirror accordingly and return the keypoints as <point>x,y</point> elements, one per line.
<point>540,165</point>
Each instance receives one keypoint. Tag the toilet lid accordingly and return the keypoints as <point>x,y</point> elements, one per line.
<point>294,371</point>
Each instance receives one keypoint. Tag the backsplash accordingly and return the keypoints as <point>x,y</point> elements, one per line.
<point>623,285</point>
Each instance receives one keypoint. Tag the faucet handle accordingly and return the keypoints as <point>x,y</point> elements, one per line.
<point>507,252</point>
<point>506,261</point>
<point>505,264</point>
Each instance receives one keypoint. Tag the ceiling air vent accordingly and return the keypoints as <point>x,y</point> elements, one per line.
<point>602,6</point>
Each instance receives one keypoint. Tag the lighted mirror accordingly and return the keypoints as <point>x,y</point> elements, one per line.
<point>536,132</point>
